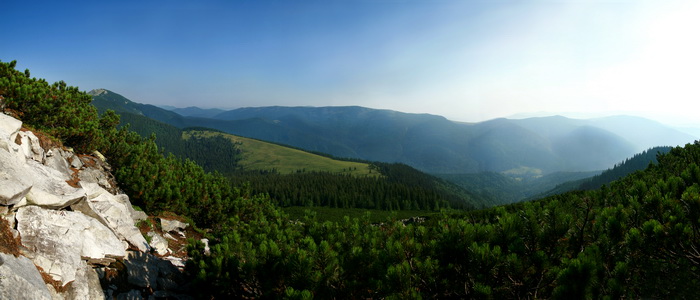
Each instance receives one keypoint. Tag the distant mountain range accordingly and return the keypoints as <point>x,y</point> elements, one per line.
<point>533,146</point>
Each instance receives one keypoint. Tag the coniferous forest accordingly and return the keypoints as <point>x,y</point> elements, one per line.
<point>638,237</point>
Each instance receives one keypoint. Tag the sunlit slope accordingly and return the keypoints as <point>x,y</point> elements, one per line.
<point>264,156</point>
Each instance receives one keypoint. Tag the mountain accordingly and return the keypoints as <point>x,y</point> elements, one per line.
<point>499,188</point>
<point>638,162</point>
<point>637,238</point>
<point>194,111</point>
<point>280,171</point>
<point>432,143</point>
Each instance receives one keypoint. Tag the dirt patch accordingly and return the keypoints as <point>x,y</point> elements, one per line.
<point>8,243</point>
<point>47,142</point>
<point>56,284</point>
<point>74,180</point>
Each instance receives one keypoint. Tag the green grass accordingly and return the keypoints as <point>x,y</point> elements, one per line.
<point>259,155</point>
<point>337,214</point>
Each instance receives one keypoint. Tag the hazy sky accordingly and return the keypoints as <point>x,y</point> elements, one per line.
<point>466,60</point>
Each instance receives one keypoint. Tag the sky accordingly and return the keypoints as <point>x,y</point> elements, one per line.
<point>466,60</point>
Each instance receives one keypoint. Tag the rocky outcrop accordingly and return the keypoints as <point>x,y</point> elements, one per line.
<point>114,211</point>
<point>20,279</point>
<point>58,241</point>
<point>74,225</point>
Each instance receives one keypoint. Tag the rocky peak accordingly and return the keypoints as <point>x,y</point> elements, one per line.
<point>97,92</point>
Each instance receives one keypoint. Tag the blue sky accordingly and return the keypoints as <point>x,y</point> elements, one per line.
<point>466,60</point>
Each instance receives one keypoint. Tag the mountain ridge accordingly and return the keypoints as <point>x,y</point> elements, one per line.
<point>431,143</point>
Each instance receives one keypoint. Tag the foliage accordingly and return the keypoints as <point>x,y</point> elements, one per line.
<point>636,238</point>
<point>57,109</point>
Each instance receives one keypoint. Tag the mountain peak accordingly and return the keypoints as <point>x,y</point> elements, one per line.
<point>97,92</point>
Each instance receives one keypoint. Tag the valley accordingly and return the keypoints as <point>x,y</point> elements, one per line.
<point>306,233</point>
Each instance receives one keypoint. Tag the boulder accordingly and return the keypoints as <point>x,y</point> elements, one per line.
<point>172,225</point>
<point>93,175</point>
<point>11,189</point>
<point>49,187</point>
<point>54,159</point>
<point>139,215</point>
<point>114,211</point>
<point>57,241</point>
<point>20,279</point>
<point>142,269</point>
<point>158,243</point>
<point>131,295</point>
<point>30,146</point>
<point>75,161</point>
<point>8,126</point>
<point>86,285</point>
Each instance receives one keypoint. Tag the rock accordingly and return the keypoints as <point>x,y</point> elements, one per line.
<point>8,127</point>
<point>49,187</point>
<point>95,176</point>
<point>99,155</point>
<point>55,295</point>
<point>169,236</point>
<point>158,243</point>
<point>112,211</point>
<point>19,279</point>
<point>31,146</point>
<point>58,240</point>
<point>172,225</point>
<point>131,295</point>
<point>11,189</point>
<point>86,285</point>
<point>175,261</point>
<point>142,269</point>
<point>75,162</point>
<point>57,162</point>
<point>207,250</point>
<point>139,215</point>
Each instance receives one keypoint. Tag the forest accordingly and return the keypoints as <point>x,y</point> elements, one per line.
<point>399,188</point>
<point>638,237</point>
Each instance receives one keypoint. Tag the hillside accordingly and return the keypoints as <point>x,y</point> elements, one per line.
<point>281,172</point>
<point>432,143</point>
<point>263,156</point>
<point>501,188</point>
<point>638,162</point>
<point>636,238</point>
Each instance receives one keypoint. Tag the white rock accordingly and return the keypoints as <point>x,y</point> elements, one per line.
<point>31,146</point>
<point>207,250</point>
<point>94,176</point>
<point>112,211</point>
<point>75,161</point>
<point>58,240</point>
<point>11,189</point>
<point>158,243</point>
<point>58,163</point>
<point>49,187</point>
<point>175,261</point>
<point>172,225</point>
<point>138,215</point>
<point>86,285</point>
<point>8,126</point>
<point>19,279</point>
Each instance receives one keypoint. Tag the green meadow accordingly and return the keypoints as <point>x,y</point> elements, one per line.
<point>259,155</point>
